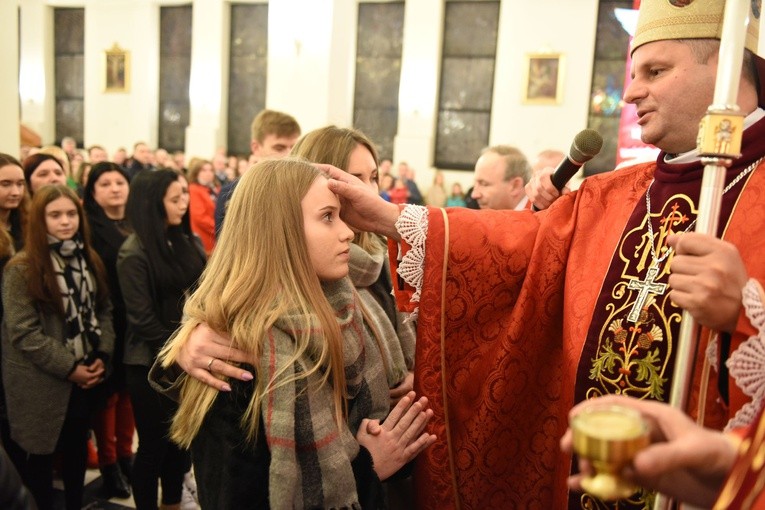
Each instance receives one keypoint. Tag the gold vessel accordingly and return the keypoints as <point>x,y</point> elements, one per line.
<point>609,436</point>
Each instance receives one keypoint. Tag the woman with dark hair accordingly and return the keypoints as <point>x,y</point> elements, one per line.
<point>14,203</point>
<point>41,169</point>
<point>105,198</point>
<point>157,266</point>
<point>57,340</point>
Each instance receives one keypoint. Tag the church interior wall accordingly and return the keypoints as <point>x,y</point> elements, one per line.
<point>311,55</point>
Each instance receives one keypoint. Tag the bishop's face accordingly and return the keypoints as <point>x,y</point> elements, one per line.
<point>672,92</point>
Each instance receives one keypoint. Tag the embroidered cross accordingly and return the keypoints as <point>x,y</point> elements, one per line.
<point>646,287</point>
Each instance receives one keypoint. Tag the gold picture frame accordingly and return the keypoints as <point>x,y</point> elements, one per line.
<point>116,69</point>
<point>543,82</point>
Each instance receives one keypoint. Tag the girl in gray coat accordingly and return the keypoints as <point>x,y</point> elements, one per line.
<point>57,339</point>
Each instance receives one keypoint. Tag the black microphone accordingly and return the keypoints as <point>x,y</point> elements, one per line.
<point>587,144</point>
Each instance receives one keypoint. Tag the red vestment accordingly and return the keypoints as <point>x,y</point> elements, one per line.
<point>743,489</point>
<point>507,304</point>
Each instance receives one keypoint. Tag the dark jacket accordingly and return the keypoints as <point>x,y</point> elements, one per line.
<point>220,205</point>
<point>106,240</point>
<point>152,313</point>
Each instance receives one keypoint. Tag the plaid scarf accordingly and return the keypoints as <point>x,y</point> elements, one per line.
<point>78,292</point>
<point>398,338</point>
<point>310,458</point>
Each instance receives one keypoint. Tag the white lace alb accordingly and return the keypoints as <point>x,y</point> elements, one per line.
<point>747,363</point>
<point>412,225</point>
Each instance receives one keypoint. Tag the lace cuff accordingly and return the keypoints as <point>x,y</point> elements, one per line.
<point>412,224</point>
<point>747,363</point>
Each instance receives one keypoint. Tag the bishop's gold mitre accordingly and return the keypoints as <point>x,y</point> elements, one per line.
<point>690,19</point>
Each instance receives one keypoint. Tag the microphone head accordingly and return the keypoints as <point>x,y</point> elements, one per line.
<point>587,145</point>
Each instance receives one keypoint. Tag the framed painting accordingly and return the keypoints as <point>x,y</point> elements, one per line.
<point>116,70</point>
<point>544,78</point>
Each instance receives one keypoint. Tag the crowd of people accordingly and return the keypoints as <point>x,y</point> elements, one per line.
<point>100,254</point>
<point>309,330</point>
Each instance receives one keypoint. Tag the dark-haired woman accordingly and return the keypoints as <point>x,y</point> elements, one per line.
<point>157,265</point>
<point>105,199</point>
<point>43,169</point>
<point>14,203</point>
<point>57,339</point>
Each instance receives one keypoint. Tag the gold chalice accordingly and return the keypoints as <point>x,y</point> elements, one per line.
<point>609,436</point>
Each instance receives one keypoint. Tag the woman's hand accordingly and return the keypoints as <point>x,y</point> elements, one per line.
<point>403,388</point>
<point>207,353</point>
<point>541,191</point>
<point>400,438</point>
<point>88,376</point>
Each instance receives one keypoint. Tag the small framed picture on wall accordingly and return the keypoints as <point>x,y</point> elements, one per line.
<point>544,78</point>
<point>116,70</point>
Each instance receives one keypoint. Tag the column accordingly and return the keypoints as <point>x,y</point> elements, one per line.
<point>311,57</point>
<point>208,84</point>
<point>418,92</point>
<point>9,91</point>
<point>36,85</point>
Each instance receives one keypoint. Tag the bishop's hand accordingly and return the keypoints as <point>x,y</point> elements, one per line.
<point>361,207</point>
<point>707,276</point>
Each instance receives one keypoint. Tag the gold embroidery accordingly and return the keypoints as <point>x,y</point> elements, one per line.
<point>632,357</point>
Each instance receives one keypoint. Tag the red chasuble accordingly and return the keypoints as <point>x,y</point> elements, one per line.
<point>744,488</point>
<point>522,315</point>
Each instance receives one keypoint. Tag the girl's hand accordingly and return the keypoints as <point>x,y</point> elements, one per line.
<point>400,438</point>
<point>88,376</point>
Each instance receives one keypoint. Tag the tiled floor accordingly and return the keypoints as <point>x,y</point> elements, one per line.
<point>92,499</point>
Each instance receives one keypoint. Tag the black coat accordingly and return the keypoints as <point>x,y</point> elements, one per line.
<point>106,240</point>
<point>232,473</point>
<point>153,313</point>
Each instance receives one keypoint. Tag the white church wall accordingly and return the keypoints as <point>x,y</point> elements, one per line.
<point>312,69</point>
<point>524,27</point>
<point>119,119</point>
<point>9,93</point>
<point>311,60</point>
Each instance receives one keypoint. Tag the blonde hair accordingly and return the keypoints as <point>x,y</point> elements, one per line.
<point>260,271</point>
<point>332,145</point>
<point>271,122</point>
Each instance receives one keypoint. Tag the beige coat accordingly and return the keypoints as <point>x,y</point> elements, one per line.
<point>36,364</point>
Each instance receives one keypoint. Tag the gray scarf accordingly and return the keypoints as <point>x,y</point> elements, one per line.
<point>398,338</point>
<point>310,458</point>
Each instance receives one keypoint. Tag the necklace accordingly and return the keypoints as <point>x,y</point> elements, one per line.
<point>658,260</point>
<point>649,286</point>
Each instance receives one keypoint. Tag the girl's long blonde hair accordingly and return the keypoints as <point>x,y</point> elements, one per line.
<point>259,271</point>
